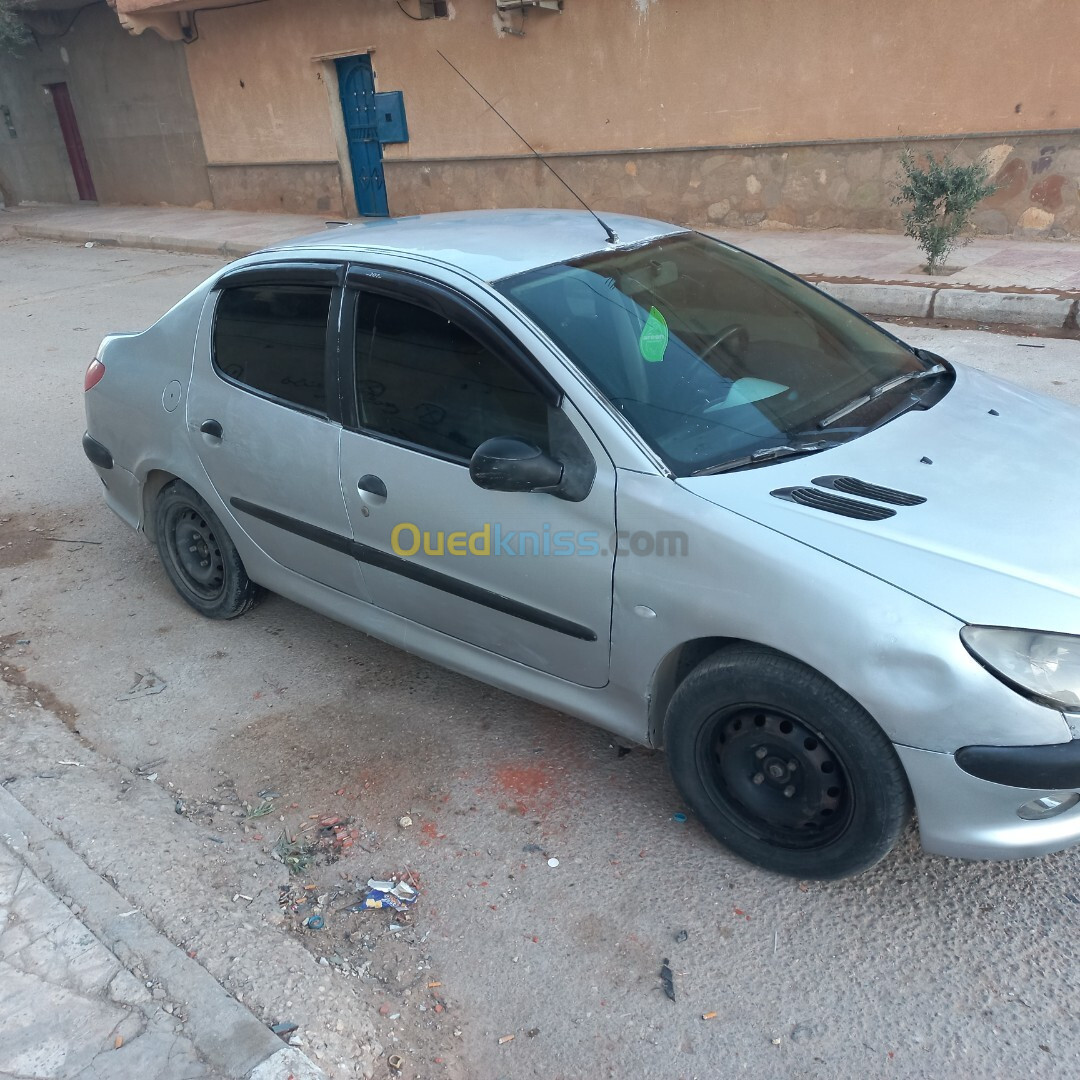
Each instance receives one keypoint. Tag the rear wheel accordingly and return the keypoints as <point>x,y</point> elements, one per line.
<point>199,557</point>
<point>784,767</point>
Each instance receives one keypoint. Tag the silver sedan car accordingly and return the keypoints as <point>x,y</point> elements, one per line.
<point>649,480</point>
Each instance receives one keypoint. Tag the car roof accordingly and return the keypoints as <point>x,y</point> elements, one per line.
<point>488,244</point>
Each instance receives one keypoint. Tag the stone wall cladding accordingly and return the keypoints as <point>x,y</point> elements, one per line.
<point>285,187</point>
<point>809,186</point>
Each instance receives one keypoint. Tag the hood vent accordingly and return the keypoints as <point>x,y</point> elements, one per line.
<point>833,504</point>
<point>850,486</point>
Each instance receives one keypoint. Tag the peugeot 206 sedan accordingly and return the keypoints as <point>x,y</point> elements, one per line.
<point>652,481</point>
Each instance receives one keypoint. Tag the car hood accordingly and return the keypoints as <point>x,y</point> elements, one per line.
<point>997,539</point>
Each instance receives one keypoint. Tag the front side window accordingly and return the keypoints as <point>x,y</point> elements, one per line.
<point>713,355</point>
<point>422,379</point>
<point>272,338</point>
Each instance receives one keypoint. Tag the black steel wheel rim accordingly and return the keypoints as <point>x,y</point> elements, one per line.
<point>774,777</point>
<point>196,553</point>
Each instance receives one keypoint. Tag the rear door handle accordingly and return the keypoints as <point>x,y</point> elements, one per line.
<point>211,428</point>
<point>372,484</point>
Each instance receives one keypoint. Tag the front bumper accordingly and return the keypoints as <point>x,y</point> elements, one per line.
<point>967,817</point>
<point>1054,766</point>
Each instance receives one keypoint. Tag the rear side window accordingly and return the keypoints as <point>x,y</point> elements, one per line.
<point>272,338</point>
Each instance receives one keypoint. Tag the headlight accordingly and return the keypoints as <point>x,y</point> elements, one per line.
<point>1042,666</point>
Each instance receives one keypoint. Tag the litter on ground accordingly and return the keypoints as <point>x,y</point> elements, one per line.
<point>667,980</point>
<point>386,894</point>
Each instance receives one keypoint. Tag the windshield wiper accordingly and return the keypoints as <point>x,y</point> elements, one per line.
<point>877,391</point>
<point>768,453</point>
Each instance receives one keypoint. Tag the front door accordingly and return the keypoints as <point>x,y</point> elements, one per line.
<point>525,575</point>
<point>356,82</point>
<point>69,128</point>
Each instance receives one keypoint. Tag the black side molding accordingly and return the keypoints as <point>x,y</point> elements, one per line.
<point>365,554</point>
<point>325,537</point>
<point>99,455</point>
<point>1054,766</point>
<point>370,556</point>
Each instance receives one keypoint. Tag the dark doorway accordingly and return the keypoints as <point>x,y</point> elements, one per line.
<point>357,85</point>
<point>65,113</point>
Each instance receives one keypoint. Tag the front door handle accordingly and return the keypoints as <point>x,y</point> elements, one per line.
<point>211,428</point>
<point>372,484</point>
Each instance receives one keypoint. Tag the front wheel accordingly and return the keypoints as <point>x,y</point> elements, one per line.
<point>199,557</point>
<point>783,767</point>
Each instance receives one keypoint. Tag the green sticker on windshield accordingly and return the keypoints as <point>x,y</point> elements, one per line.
<point>654,337</point>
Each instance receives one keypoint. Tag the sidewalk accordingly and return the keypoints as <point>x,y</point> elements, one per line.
<point>92,990</point>
<point>994,279</point>
<point>227,233</point>
<point>1033,283</point>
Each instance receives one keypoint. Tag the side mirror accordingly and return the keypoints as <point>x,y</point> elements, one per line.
<point>506,464</point>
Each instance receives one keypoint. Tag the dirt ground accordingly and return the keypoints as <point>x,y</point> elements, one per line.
<point>191,762</point>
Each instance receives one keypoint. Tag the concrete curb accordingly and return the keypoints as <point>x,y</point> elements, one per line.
<point>1043,311</point>
<point>224,1033</point>
<point>871,299</point>
<point>1016,309</point>
<point>187,245</point>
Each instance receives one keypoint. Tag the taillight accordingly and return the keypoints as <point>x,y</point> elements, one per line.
<point>93,374</point>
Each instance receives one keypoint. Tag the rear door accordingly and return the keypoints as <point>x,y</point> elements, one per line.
<point>263,412</point>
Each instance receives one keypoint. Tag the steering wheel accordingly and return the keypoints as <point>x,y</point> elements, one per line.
<point>734,339</point>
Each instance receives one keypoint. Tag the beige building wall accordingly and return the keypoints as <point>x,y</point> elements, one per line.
<point>724,110</point>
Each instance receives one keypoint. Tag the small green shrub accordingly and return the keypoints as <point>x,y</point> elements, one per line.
<point>939,198</point>
<point>14,33</point>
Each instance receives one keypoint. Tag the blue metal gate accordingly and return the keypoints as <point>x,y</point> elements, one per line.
<point>357,85</point>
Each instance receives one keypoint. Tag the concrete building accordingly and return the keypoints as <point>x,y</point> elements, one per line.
<point>89,112</point>
<point>727,112</point>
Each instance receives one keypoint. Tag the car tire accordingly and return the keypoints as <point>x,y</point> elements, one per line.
<point>200,559</point>
<point>783,767</point>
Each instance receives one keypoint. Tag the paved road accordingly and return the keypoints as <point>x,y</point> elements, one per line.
<point>923,967</point>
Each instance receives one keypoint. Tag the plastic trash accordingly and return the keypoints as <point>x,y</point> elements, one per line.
<point>386,894</point>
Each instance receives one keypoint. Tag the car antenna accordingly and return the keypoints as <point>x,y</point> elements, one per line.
<point>612,238</point>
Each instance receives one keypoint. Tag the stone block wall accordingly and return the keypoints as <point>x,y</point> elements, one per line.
<point>808,185</point>
<point>290,187</point>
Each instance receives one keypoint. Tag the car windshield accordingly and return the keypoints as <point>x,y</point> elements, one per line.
<point>713,355</point>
